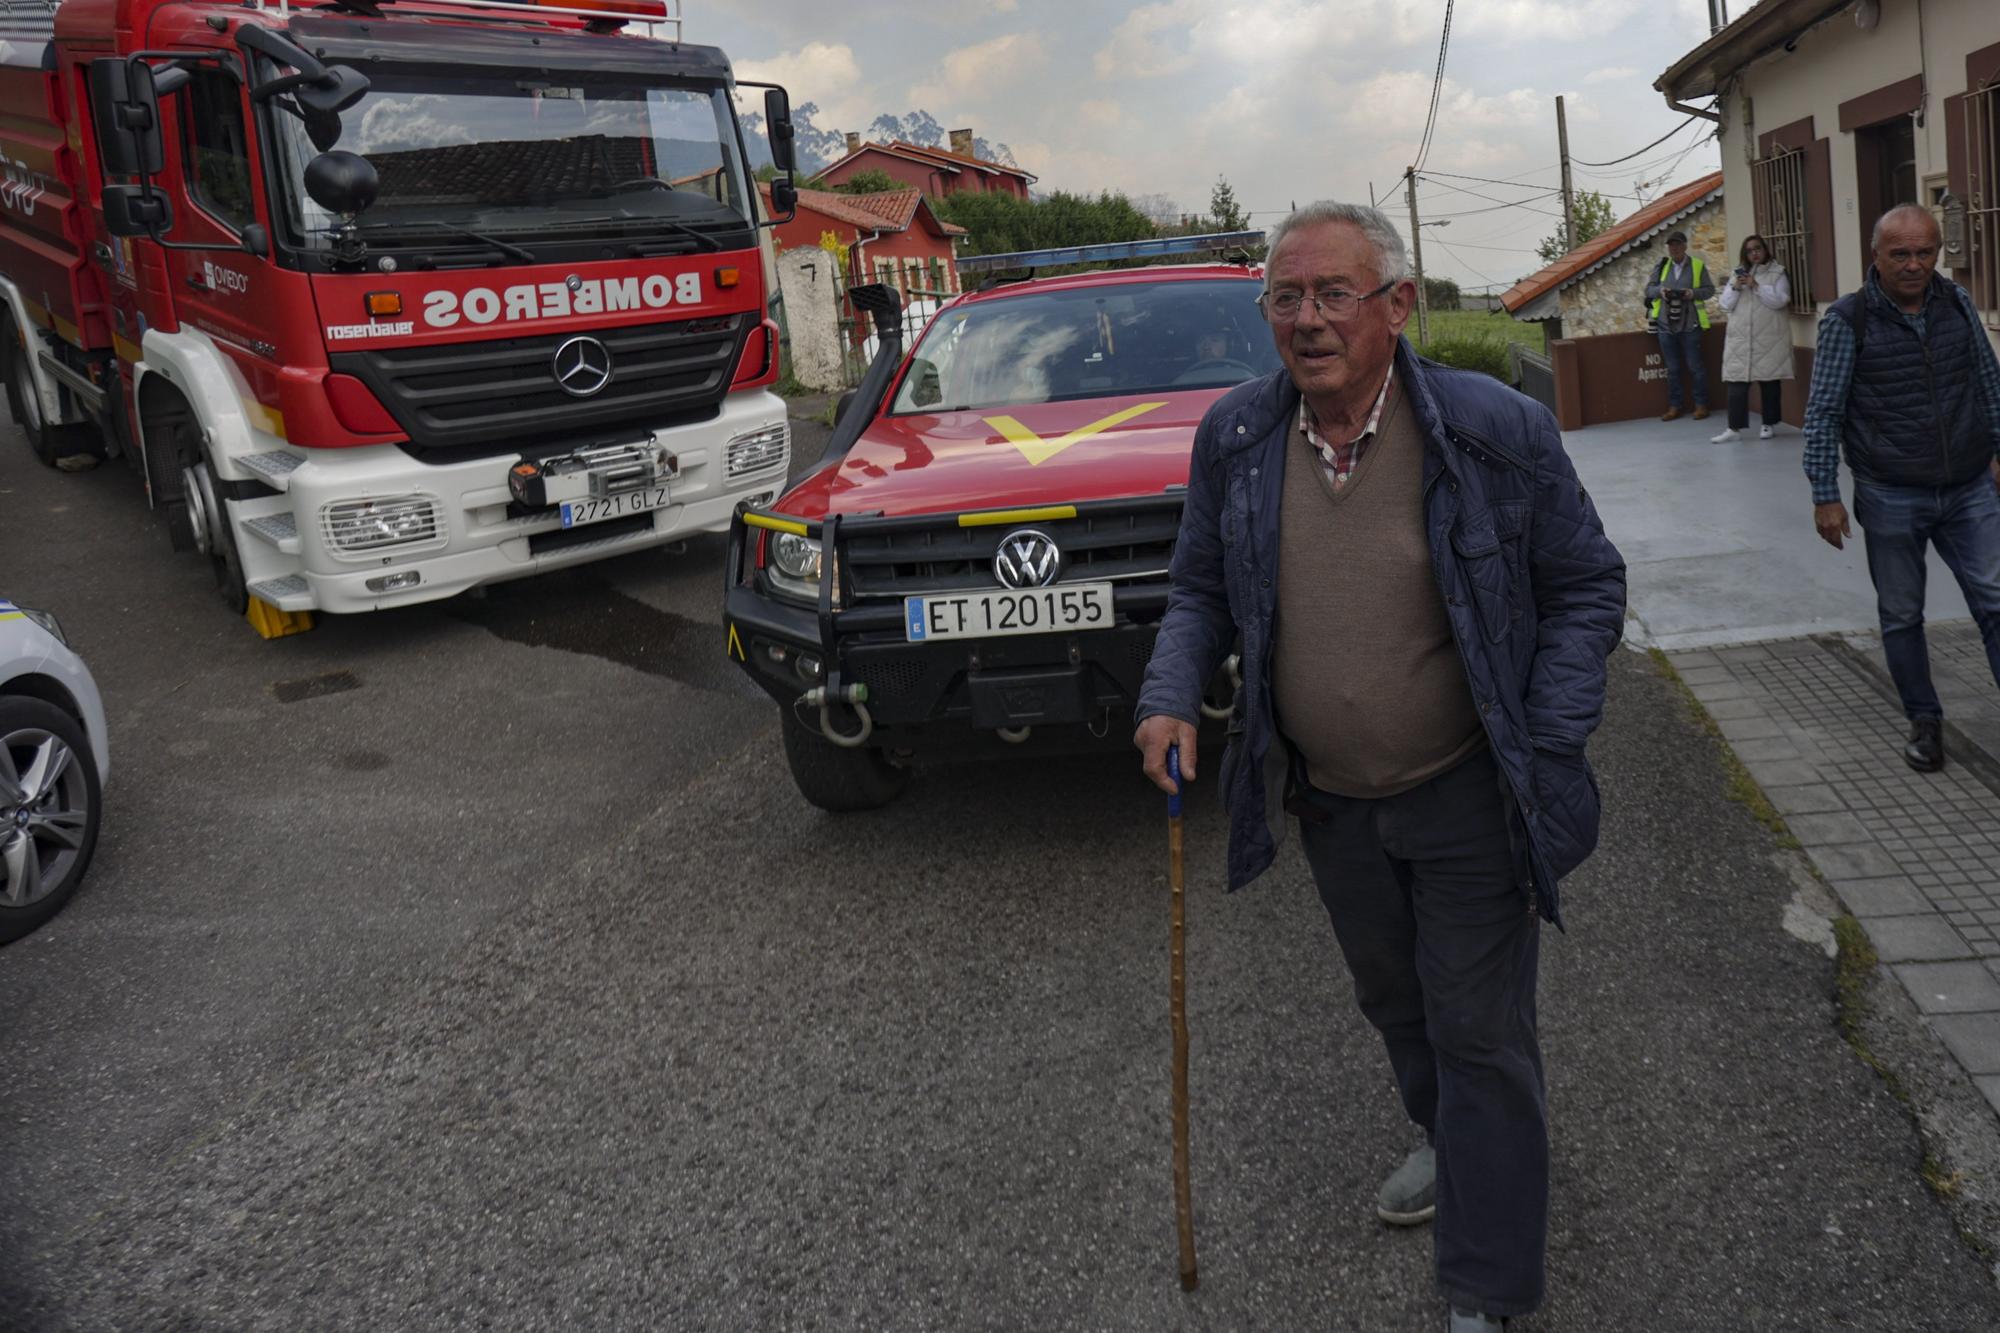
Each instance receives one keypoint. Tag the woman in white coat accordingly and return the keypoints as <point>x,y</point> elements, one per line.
<point>1757,348</point>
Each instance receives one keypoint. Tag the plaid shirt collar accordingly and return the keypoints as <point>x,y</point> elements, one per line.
<point>1340,460</point>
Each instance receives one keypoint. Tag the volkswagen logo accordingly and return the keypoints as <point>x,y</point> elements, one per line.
<point>1027,559</point>
<point>582,366</point>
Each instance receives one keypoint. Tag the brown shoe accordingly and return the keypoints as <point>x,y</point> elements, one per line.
<point>1673,414</point>
<point>1701,413</point>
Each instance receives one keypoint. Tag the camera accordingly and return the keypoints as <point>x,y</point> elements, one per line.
<point>1742,270</point>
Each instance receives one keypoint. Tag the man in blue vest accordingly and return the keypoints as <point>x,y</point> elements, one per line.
<point>1679,295</point>
<point>1905,380</point>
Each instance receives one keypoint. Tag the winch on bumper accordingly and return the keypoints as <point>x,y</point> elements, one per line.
<point>872,670</point>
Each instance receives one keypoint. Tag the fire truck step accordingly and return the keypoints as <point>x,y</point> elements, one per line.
<point>275,467</point>
<point>280,530</point>
<point>290,593</point>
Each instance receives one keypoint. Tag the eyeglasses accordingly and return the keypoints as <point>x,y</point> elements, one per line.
<point>1283,307</point>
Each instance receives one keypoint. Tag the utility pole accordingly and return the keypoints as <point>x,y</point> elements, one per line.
<point>1417,257</point>
<point>1569,195</point>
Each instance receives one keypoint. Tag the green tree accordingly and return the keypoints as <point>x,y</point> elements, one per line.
<point>1227,214</point>
<point>1002,224</point>
<point>1441,294</point>
<point>768,172</point>
<point>1593,219</point>
<point>869,180</point>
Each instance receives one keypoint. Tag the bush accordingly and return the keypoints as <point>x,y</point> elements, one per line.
<point>1470,352</point>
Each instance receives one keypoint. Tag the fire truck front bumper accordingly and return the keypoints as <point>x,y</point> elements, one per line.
<point>365,529</point>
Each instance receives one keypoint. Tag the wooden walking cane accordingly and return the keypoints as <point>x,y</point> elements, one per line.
<point>1177,953</point>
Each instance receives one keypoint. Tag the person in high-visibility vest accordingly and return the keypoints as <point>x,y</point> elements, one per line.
<point>1677,307</point>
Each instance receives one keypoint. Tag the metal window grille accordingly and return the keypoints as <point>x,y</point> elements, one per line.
<point>1982,204</point>
<point>1778,188</point>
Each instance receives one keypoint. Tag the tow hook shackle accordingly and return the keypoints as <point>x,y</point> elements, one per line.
<point>855,696</point>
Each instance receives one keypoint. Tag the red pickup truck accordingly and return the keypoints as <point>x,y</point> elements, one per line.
<point>980,559</point>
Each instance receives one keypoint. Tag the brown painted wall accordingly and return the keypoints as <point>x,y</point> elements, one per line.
<point>1622,377</point>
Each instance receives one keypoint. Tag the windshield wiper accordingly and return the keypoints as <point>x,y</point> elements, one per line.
<point>706,241</point>
<point>387,230</point>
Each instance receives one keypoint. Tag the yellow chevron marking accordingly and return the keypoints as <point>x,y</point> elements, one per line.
<point>1038,450</point>
<point>736,644</point>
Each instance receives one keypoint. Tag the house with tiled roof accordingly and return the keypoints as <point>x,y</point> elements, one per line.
<point>1595,289</point>
<point>1603,362</point>
<point>935,171</point>
<point>893,237</point>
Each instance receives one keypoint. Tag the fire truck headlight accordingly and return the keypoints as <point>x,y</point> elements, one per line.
<point>760,449</point>
<point>367,526</point>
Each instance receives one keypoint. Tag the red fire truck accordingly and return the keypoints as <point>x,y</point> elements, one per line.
<point>386,299</point>
<point>980,559</point>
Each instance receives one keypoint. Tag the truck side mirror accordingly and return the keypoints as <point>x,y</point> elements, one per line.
<point>256,240</point>
<point>778,126</point>
<point>784,200</point>
<point>136,210</point>
<point>125,105</point>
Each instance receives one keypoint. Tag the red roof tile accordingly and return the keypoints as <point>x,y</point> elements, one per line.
<point>889,210</point>
<point>1655,214</point>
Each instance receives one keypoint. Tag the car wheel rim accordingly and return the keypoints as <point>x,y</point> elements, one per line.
<point>44,815</point>
<point>195,493</point>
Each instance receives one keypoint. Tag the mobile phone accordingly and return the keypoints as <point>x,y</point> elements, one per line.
<point>1742,270</point>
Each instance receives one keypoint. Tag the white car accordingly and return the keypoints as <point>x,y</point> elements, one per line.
<point>53,762</point>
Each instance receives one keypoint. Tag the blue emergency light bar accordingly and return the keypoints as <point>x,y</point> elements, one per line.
<point>1213,243</point>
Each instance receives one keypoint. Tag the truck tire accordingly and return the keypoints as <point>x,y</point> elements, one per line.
<point>839,780</point>
<point>44,856</point>
<point>51,443</point>
<point>198,509</point>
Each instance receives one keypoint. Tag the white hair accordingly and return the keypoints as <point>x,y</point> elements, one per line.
<point>1391,261</point>
<point>1899,213</point>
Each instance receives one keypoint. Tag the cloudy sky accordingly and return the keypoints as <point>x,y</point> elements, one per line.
<point>1289,99</point>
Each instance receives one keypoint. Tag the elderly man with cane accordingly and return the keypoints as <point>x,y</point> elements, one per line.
<point>1426,601</point>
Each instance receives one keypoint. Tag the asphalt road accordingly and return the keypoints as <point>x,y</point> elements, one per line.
<point>513,985</point>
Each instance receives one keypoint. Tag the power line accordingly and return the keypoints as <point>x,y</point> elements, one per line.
<point>1634,153</point>
<point>1461,259</point>
<point>1437,88</point>
<point>1517,182</point>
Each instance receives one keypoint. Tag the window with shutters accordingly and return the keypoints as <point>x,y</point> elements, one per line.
<point>1982,202</point>
<point>1778,188</point>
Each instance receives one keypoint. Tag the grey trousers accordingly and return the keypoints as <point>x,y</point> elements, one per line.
<point>1443,946</point>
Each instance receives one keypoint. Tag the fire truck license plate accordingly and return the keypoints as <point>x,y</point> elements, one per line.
<point>987,615</point>
<point>576,513</point>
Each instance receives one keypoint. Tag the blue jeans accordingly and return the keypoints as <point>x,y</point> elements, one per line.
<point>1897,523</point>
<point>1422,889</point>
<point>1683,351</point>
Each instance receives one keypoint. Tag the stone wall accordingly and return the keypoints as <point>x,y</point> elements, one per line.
<point>1610,300</point>
<point>812,319</point>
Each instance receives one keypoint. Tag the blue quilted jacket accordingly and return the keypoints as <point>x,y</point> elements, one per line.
<point>1534,591</point>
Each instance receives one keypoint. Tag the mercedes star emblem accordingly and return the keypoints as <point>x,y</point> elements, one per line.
<point>582,366</point>
<point>1027,559</point>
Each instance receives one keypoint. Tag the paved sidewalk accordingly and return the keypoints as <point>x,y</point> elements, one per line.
<point>1915,857</point>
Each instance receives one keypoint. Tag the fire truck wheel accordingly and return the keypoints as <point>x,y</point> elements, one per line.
<point>209,530</point>
<point>840,780</point>
<point>51,443</point>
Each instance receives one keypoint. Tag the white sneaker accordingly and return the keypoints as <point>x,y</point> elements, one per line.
<point>1765,432</point>
<point>1728,434</point>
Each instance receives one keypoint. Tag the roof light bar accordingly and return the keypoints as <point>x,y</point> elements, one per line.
<point>661,13</point>
<point>1213,243</point>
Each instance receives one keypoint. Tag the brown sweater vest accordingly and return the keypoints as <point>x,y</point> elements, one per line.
<point>1367,682</point>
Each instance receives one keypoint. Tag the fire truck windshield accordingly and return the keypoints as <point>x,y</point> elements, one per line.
<point>529,156</point>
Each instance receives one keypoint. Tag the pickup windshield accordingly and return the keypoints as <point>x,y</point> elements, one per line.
<point>1089,342</point>
<point>528,156</point>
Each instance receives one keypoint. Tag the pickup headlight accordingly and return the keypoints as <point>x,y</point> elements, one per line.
<point>794,565</point>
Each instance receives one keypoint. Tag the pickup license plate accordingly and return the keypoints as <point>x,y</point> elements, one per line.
<point>987,615</point>
<point>576,513</point>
